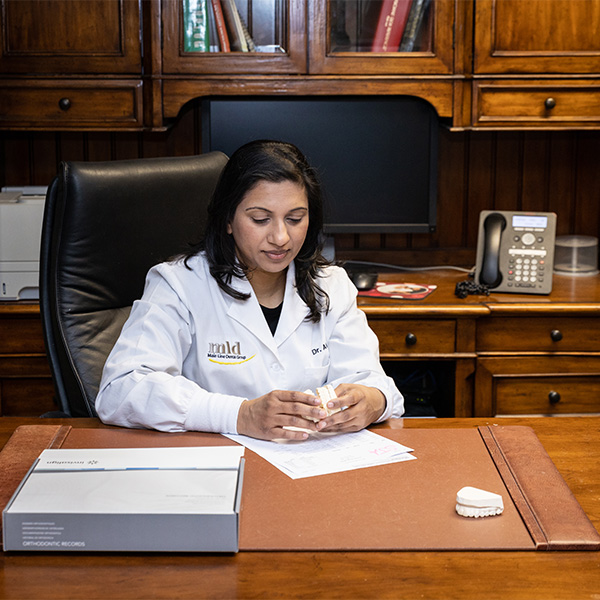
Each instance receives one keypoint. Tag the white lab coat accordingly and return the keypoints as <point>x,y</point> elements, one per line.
<point>190,354</point>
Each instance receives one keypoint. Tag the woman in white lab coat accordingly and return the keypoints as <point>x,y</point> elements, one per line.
<point>236,336</point>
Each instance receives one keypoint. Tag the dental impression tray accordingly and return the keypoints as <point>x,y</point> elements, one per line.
<point>473,502</point>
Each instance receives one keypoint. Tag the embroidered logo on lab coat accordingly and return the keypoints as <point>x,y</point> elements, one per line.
<point>227,353</point>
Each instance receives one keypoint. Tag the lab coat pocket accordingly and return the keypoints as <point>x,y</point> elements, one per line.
<point>315,377</point>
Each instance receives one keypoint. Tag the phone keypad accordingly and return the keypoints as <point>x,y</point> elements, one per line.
<point>526,267</point>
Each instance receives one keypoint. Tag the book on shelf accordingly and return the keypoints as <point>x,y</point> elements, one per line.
<point>249,40</point>
<point>239,37</point>
<point>413,25</point>
<point>393,17</point>
<point>196,36</point>
<point>220,27</point>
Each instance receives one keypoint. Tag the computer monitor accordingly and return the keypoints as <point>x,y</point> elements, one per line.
<point>376,156</point>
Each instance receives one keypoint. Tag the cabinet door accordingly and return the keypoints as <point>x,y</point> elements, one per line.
<point>46,37</point>
<point>381,36</point>
<point>204,36</point>
<point>537,36</point>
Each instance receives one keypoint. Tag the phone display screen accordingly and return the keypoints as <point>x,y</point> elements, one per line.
<point>530,221</point>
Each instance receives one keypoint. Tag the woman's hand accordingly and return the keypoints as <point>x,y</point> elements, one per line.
<point>267,417</point>
<point>362,406</point>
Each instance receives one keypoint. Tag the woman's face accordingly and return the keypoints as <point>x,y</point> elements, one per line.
<point>269,225</point>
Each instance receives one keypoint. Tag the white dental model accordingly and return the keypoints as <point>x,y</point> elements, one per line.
<point>324,394</point>
<point>473,502</point>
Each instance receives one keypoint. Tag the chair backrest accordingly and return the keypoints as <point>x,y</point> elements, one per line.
<point>105,224</point>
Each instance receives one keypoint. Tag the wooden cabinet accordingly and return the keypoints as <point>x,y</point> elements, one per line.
<point>516,44</point>
<point>541,358</point>
<point>537,37</point>
<point>278,29</point>
<point>307,59</point>
<point>412,343</point>
<point>536,103</point>
<point>315,37</point>
<point>70,104</point>
<point>544,334</point>
<point>487,64</point>
<point>537,385</point>
<point>415,337</point>
<point>511,354</point>
<point>339,44</point>
<point>70,64</point>
<point>25,382</point>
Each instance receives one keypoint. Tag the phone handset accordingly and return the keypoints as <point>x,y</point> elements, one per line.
<point>493,227</point>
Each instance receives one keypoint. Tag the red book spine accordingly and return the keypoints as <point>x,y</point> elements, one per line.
<point>392,21</point>
<point>220,23</point>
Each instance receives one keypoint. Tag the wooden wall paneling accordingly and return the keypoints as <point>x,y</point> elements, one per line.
<point>28,397</point>
<point>72,146</point>
<point>43,158</point>
<point>186,138</point>
<point>562,174</point>
<point>550,170</point>
<point>587,192</point>
<point>452,190</point>
<point>507,171</point>
<point>398,241</point>
<point>370,241</point>
<point>127,145</point>
<point>481,157</point>
<point>534,172</point>
<point>152,145</point>
<point>16,158</point>
<point>100,146</point>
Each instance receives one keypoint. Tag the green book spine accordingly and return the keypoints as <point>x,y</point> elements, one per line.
<point>195,26</point>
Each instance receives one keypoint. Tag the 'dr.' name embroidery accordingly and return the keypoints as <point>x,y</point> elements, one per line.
<point>319,350</point>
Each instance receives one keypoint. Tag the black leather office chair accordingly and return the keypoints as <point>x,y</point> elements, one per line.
<point>105,224</point>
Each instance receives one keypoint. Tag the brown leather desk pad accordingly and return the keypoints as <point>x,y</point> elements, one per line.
<point>402,506</point>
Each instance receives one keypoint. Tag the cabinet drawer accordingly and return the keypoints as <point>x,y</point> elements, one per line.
<point>21,336</point>
<point>538,334</point>
<point>76,104</point>
<point>26,397</point>
<point>415,336</point>
<point>535,104</point>
<point>547,395</point>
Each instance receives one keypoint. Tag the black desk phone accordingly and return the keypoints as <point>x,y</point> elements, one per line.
<point>515,251</point>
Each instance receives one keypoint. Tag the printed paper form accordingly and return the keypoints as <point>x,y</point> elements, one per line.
<point>322,454</point>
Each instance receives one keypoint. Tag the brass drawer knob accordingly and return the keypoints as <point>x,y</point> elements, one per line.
<point>550,103</point>
<point>554,397</point>
<point>410,339</point>
<point>556,335</point>
<point>64,104</point>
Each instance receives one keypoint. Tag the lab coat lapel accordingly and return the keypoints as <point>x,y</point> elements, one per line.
<point>294,309</point>
<point>249,314</point>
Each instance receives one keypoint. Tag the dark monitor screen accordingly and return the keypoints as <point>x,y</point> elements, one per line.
<point>376,156</point>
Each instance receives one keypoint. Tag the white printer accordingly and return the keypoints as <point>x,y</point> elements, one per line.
<point>21,214</point>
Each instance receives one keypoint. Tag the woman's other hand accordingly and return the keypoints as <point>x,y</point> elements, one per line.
<point>362,406</point>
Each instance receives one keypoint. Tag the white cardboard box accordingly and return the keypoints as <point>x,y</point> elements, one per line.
<point>128,499</point>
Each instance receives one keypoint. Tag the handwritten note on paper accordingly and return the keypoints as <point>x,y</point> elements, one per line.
<point>322,454</point>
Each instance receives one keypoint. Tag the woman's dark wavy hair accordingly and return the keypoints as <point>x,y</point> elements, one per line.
<point>265,160</point>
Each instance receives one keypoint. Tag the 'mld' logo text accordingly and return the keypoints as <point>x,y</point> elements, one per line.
<point>225,348</point>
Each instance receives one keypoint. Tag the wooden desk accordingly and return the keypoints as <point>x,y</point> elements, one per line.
<point>508,353</point>
<point>572,443</point>
<point>492,355</point>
